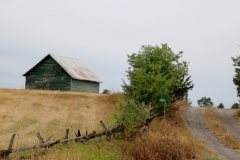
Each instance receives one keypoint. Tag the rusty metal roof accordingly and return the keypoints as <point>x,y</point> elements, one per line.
<point>75,68</point>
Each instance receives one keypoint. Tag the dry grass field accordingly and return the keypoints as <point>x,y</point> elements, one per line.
<point>27,112</point>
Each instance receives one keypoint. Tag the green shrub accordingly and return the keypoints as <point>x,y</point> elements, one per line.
<point>131,115</point>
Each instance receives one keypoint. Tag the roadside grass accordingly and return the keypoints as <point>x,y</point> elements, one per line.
<point>27,112</point>
<point>202,151</point>
<point>211,159</point>
<point>218,129</point>
<point>165,141</point>
<point>237,113</point>
<point>91,150</point>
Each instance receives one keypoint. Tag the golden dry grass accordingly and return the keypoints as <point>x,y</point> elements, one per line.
<point>237,113</point>
<point>168,140</point>
<point>216,127</point>
<point>27,112</point>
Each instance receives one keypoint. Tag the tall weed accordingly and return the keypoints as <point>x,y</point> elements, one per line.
<point>161,144</point>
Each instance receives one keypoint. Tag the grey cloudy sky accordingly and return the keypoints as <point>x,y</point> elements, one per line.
<point>102,33</point>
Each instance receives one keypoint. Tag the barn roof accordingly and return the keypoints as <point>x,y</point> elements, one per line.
<point>74,67</point>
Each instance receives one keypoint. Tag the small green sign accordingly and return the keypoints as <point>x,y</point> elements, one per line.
<point>162,100</point>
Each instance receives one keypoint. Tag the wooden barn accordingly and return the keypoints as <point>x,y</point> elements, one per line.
<point>61,73</point>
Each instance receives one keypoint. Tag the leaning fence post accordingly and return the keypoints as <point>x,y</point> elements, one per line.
<point>74,131</point>
<point>5,153</point>
<point>106,130</point>
<point>11,142</point>
<point>40,138</point>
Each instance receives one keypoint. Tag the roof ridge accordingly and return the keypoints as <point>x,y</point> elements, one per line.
<point>63,56</point>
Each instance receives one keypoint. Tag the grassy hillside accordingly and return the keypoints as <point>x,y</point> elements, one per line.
<point>27,112</point>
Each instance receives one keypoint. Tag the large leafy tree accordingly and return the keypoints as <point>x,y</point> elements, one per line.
<point>205,102</point>
<point>154,72</point>
<point>236,78</point>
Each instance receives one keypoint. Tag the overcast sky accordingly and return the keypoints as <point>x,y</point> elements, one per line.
<point>102,33</point>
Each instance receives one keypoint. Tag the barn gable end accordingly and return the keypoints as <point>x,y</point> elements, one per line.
<point>61,73</point>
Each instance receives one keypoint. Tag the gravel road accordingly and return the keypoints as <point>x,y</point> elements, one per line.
<point>229,121</point>
<point>196,124</point>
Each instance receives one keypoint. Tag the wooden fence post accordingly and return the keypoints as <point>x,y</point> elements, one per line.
<point>6,153</point>
<point>66,135</point>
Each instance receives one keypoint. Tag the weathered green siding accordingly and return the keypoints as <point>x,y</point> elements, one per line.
<point>84,86</point>
<point>48,74</point>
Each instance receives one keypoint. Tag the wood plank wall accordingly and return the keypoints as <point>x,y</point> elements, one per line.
<point>48,75</point>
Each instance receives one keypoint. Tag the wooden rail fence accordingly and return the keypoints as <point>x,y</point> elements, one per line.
<point>107,131</point>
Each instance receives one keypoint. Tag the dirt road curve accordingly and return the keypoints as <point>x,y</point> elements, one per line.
<point>196,124</point>
<point>229,121</point>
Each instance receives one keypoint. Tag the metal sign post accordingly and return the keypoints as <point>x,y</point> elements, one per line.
<point>163,101</point>
<point>164,110</point>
